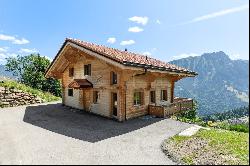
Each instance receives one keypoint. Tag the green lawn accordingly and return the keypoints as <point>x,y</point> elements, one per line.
<point>230,146</point>
<point>46,96</point>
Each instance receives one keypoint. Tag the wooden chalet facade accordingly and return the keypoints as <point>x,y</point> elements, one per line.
<point>113,83</point>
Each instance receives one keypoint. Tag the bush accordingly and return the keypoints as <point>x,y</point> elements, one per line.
<point>30,70</point>
<point>233,127</point>
<point>188,116</point>
<point>239,127</point>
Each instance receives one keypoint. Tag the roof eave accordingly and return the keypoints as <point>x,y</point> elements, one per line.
<point>124,63</point>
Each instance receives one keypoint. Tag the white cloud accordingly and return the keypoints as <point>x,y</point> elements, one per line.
<point>147,53</point>
<point>3,57</point>
<point>22,41</point>
<point>111,40</point>
<point>127,42</point>
<point>26,50</point>
<point>184,55</point>
<point>135,29</point>
<point>4,49</point>
<point>139,20</point>
<point>158,21</point>
<point>219,13</point>
<point>13,39</point>
<point>6,37</point>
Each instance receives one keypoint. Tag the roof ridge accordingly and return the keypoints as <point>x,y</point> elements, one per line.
<point>128,57</point>
<point>123,51</point>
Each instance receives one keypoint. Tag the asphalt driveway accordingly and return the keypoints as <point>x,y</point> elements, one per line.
<point>53,134</point>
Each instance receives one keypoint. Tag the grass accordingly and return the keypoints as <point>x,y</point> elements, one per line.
<point>227,143</point>
<point>244,127</point>
<point>46,96</point>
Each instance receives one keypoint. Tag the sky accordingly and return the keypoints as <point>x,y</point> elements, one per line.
<point>162,29</point>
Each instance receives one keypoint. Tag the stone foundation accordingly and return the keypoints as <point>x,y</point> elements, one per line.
<point>13,97</point>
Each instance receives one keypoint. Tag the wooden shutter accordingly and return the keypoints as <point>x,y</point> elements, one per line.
<point>152,96</point>
<point>95,96</point>
<point>85,70</point>
<point>71,72</point>
<point>166,95</point>
<point>89,69</point>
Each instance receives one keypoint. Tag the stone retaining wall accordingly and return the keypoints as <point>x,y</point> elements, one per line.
<point>13,97</point>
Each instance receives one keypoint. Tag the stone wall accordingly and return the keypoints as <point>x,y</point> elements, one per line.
<point>13,97</point>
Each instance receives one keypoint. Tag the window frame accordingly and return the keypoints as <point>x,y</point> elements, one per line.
<point>141,98</point>
<point>114,75</point>
<point>71,94</point>
<point>162,95</point>
<point>87,70</point>
<point>96,96</point>
<point>154,97</point>
<point>71,72</point>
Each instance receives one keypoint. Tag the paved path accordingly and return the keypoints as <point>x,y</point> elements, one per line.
<point>52,134</point>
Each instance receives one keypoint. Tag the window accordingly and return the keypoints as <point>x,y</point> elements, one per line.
<point>95,97</point>
<point>152,96</point>
<point>87,70</point>
<point>164,95</point>
<point>71,72</point>
<point>113,78</point>
<point>138,98</point>
<point>70,92</point>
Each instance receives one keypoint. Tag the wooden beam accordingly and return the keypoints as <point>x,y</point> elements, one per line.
<point>172,91</point>
<point>56,74</point>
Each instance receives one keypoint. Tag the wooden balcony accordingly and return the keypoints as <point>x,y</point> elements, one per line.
<point>179,105</point>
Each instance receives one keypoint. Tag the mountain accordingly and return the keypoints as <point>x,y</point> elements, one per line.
<point>222,83</point>
<point>5,74</point>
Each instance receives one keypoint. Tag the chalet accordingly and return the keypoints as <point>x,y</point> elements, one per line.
<point>116,84</point>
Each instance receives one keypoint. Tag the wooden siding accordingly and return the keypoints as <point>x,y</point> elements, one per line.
<point>129,81</point>
<point>139,83</point>
<point>180,105</point>
<point>73,101</point>
<point>100,78</point>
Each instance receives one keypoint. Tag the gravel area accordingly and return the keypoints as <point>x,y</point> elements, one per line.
<point>53,134</point>
<point>195,151</point>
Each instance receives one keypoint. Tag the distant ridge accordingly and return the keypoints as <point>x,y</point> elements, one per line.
<point>5,74</point>
<point>222,83</point>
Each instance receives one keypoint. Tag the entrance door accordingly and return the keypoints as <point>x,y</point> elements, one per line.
<point>86,99</point>
<point>114,104</point>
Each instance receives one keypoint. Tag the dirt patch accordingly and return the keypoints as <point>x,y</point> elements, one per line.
<point>195,151</point>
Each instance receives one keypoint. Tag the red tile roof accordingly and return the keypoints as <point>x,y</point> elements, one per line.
<point>126,58</point>
<point>130,59</point>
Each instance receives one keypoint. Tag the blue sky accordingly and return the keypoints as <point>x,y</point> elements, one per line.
<point>163,29</point>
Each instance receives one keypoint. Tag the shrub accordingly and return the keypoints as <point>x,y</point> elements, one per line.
<point>188,116</point>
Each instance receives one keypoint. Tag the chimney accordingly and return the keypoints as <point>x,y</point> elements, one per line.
<point>146,57</point>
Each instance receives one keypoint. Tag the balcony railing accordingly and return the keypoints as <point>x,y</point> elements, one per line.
<point>179,105</point>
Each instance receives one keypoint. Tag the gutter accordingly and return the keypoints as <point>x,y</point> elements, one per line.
<point>145,66</point>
